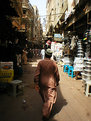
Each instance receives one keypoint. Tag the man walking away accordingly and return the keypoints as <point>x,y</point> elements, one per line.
<point>46,80</point>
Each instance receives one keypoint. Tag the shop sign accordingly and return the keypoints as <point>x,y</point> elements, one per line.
<point>57,37</point>
<point>6,65</point>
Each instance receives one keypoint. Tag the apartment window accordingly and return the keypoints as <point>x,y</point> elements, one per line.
<point>24,11</point>
<point>62,3</point>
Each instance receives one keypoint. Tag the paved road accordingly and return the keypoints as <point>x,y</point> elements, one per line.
<point>71,105</point>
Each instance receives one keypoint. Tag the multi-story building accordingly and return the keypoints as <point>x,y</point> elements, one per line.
<point>68,16</point>
<point>40,31</point>
<point>56,15</point>
<point>16,20</point>
<point>36,17</point>
<point>27,20</point>
<point>37,26</point>
<point>11,13</point>
<point>50,18</point>
<point>79,18</point>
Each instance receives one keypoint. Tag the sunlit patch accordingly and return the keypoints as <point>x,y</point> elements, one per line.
<point>34,65</point>
<point>38,60</point>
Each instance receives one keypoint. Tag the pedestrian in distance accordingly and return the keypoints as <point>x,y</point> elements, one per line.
<point>42,54</point>
<point>46,80</point>
<point>24,56</point>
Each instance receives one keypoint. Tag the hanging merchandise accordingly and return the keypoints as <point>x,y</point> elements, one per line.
<point>78,64</point>
<point>78,61</point>
<point>87,43</point>
<point>89,35</point>
<point>84,38</point>
<point>48,42</point>
<point>86,74</point>
<point>80,52</point>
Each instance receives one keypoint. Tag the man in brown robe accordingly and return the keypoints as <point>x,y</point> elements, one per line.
<point>46,80</point>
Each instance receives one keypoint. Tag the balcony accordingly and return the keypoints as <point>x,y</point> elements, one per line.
<point>17,5</point>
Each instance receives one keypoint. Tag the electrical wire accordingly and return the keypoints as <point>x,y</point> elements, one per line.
<point>32,6</point>
<point>51,14</point>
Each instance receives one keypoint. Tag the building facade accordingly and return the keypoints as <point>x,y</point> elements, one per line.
<point>27,19</point>
<point>38,30</point>
<point>56,13</point>
<point>68,16</point>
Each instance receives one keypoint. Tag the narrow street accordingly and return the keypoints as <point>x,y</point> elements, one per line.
<point>71,105</point>
<point>31,30</point>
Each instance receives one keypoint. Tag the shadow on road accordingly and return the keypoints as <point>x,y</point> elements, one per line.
<point>53,120</point>
<point>59,104</point>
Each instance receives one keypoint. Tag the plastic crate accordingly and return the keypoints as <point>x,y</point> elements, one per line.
<point>6,75</point>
